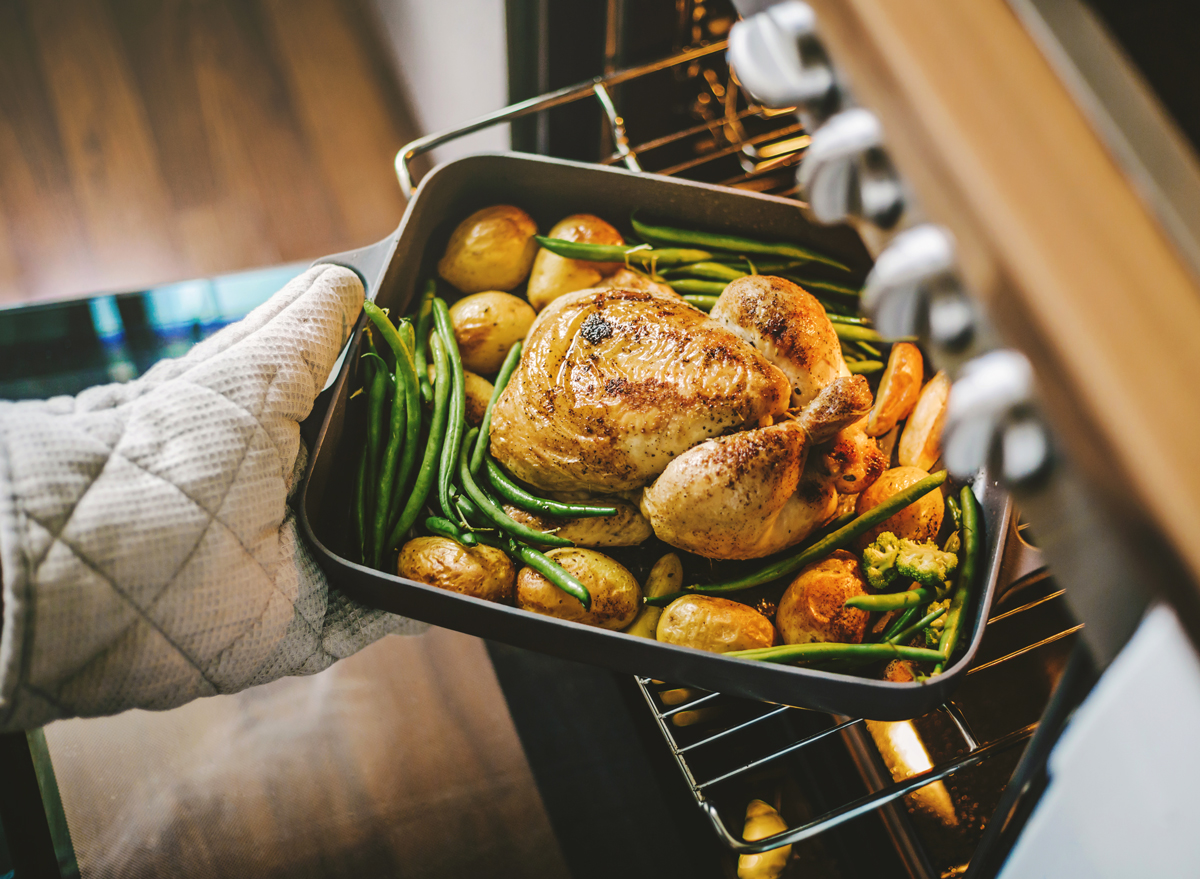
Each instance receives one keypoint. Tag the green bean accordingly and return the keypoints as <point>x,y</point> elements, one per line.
<point>519,497</point>
<point>972,540</point>
<point>835,650</point>
<point>553,571</point>
<point>843,536</point>
<point>852,333</point>
<point>405,426</point>
<point>900,622</point>
<point>865,367</point>
<point>427,472</point>
<point>684,286</point>
<point>733,243</point>
<point>955,511</point>
<point>713,271</point>
<point>760,266</point>
<point>704,303</point>
<point>485,427</point>
<point>639,254</point>
<point>424,318</point>
<point>376,401</point>
<point>905,634</point>
<point>848,319</point>
<point>890,600</point>
<point>412,401</point>
<point>824,286</point>
<point>493,511</point>
<point>869,349</point>
<point>440,527</point>
<point>458,405</point>
<point>360,505</point>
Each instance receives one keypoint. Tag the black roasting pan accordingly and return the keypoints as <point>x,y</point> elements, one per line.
<point>550,189</point>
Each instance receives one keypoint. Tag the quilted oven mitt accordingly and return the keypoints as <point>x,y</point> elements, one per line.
<point>148,551</point>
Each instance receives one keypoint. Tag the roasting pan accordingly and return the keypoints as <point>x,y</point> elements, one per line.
<point>550,189</point>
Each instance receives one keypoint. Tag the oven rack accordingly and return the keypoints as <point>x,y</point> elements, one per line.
<point>767,160</point>
<point>702,785</point>
<point>766,157</point>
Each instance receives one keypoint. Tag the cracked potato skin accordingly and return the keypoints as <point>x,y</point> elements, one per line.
<point>717,625</point>
<point>919,521</point>
<point>813,607</point>
<point>616,595</point>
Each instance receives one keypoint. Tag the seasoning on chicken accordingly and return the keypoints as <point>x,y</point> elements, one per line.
<point>614,384</point>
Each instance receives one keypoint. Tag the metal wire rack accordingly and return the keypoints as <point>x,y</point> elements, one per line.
<point>721,743</point>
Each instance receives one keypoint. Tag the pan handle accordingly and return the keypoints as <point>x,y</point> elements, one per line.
<point>369,263</point>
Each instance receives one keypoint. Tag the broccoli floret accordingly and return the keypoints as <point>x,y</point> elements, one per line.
<point>925,563</point>
<point>880,560</point>
<point>890,557</point>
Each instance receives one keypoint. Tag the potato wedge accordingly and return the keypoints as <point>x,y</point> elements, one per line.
<point>813,607</point>
<point>553,276</point>
<point>480,571</point>
<point>921,439</point>
<point>899,389</point>
<point>615,593</point>
<point>479,394</point>
<point>487,325</point>
<point>717,625</point>
<point>920,520</point>
<point>493,249</point>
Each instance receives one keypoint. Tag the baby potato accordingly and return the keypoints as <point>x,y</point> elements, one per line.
<point>479,394</point>
<point>918,521</point>
<point>480,571</point>
<point>763,821</point>
<point>486,326</point>
<point>717,625</point>
<point>553,275</point>
<point>492,249</point>
<point>627,528</point>
<point>813,607</point>
<point>615,593</point>
<point>899,389</point>
<point>921,440</point>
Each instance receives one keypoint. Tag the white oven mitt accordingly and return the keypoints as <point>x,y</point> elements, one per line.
<point>149,555</point>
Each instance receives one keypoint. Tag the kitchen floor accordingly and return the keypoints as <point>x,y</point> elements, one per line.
<point>149,141</point>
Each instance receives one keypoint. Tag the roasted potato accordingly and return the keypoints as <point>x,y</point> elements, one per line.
<point>763,821</point>
<point>627,528</point>
<point>813,607</point>
<point>717,625</point>
<point>615,593</point>
<point>492,249</point>
<point>921,440</point>
<point>486,326</point>
<point>918,521</point>
<point>899,389</point>
<point>900,671</point>
<point>480,571</point>
<point>664,578</point>
<point>479,394</point>
<point>553,275</point>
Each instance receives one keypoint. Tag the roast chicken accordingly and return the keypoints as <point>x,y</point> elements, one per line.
<point>614,384</point>
<point>620,390</point>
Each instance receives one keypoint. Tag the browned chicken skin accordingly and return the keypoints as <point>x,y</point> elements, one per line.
<point>614,384</point>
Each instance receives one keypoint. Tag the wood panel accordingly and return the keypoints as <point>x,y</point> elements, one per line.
<point>1052,236</point>
<point>399,761</point>
<point>145,141</point>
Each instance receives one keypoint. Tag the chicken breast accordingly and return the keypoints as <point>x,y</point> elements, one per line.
<point>789,326</point>
<point>615,384</point>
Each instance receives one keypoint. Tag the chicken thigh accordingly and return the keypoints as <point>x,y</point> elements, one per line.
<point>746,496</point>
<point>614,384</point>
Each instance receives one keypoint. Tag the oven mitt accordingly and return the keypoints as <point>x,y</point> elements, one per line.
<point>148,551</point>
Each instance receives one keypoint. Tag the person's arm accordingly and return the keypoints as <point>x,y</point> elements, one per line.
<point>148,551</point>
